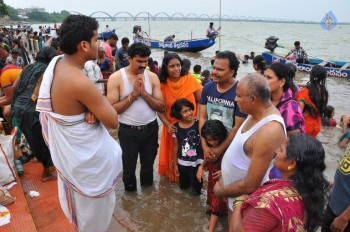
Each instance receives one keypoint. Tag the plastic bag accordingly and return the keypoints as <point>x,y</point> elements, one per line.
<point>7,170</point>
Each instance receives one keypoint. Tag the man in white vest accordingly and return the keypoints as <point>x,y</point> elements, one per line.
<point>135,94</point>
<point>248,159</point>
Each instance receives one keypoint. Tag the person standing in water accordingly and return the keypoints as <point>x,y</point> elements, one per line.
<point>135,94</point>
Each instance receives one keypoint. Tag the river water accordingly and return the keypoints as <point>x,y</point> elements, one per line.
<point>164,207</point>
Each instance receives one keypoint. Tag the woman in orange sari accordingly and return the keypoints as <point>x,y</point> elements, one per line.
<point>175,84</point>
<point>313,100</point>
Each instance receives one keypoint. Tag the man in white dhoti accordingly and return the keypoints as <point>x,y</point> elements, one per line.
<point>87,158</point>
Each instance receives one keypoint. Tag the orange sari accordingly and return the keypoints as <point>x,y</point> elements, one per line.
<point>312,123</point>
<point>184,88</point>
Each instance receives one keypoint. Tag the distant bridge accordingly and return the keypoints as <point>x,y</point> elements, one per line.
<point>163,16</point>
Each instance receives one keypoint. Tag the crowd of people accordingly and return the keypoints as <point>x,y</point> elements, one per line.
<point>256,137</point>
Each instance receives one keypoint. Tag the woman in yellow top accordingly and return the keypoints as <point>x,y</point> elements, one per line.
<point>8,76</point>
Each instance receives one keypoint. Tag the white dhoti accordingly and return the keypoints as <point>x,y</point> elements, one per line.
<point>88,214</point>
<point>87,159</point>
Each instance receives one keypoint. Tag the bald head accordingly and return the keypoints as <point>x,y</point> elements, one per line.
<point>256,85</point>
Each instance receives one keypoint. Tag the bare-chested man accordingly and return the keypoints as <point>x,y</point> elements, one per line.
<point>135,94</point>
<point>248,159</point>
<point>87,158</point>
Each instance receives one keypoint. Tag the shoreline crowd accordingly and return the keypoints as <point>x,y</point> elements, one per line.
<point>256,137</point>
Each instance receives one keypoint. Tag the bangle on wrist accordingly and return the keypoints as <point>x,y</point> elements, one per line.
<point>131,99</point>
<point>238,201</point>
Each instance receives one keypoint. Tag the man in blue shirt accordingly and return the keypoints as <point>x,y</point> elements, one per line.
<point>121,56</point>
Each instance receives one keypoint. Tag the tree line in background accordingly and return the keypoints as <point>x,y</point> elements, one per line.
<point>6,10</point>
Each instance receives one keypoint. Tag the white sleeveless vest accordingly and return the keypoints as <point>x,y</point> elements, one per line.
<point>235,163</point>
<point>139,113</point>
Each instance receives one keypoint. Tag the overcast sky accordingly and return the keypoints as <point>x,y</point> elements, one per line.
<point>307,10</point>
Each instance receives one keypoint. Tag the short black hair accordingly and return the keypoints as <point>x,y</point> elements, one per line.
<point>15,41</point>
<point>75,29</point>
<point>329,111</point>
<point>186,63</point>
<point>186,66</point>
<point>206,73</point>
<point>215,129</point>
<point>139,49</point>
<point>125,40</point>
<point>14,51</point>
<point>177,107</point>
<point>45,55</point>
<point>296,43</point>
<point>232,58</point>
<point>197,68</point>
<point>113,36</point>
<point>55,44</point>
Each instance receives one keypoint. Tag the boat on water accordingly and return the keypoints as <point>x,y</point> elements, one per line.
<point>192,45</point>
<point>20,27</point>
<point>334,68</point>
<point>105,34</point>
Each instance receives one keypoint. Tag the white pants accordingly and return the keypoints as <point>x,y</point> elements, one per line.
<point>92,214</point>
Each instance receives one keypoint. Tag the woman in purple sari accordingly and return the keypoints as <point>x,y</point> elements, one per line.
<point>282,91</point>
